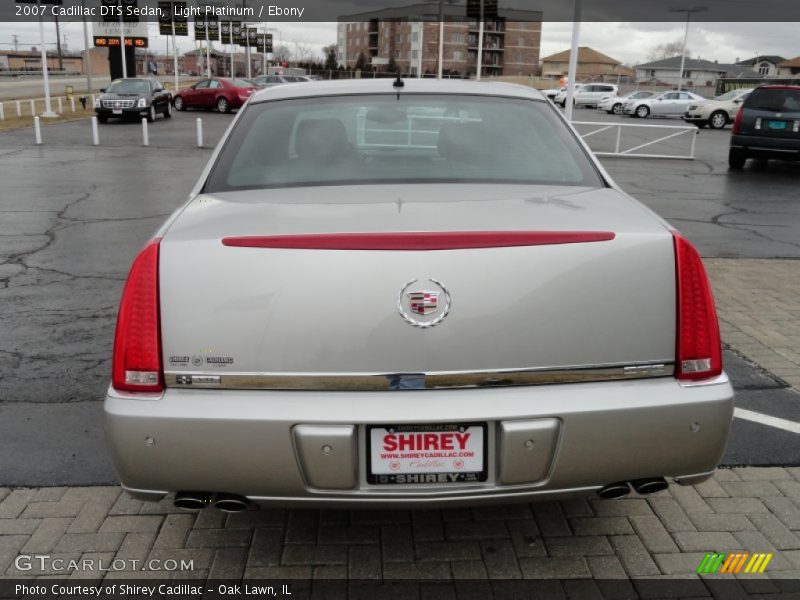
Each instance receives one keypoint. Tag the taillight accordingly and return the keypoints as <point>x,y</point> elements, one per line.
<point>137,343</point>
<point>698,346</point>
<point>737,122</point>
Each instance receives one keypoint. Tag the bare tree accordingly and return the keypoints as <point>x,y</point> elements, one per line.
<point>302,51</point>
<point>281,53</point>
<point>666,50</point>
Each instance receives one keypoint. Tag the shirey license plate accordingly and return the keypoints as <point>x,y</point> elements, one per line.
<point>434,453</point>
<point>777,125</point>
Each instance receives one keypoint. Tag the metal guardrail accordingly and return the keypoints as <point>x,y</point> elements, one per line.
<point>675,131</point>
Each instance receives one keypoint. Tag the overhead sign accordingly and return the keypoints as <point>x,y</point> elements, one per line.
<point>107,33</point>
<point>169,12</point>
<point>264,42</point>
<point>206,28</point>
<point>230,32</point>
<point>249,37</point>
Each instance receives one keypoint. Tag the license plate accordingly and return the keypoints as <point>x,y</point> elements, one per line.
<point>117,111</point>
<point>434,453</point>
<point>780,125</point>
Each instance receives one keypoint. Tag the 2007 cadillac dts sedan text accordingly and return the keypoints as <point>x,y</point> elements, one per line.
<point>412,293</point>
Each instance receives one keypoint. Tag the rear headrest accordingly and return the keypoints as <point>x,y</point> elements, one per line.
<point>321,139</point>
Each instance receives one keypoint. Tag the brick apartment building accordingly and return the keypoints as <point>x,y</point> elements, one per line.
<point>410,36</point>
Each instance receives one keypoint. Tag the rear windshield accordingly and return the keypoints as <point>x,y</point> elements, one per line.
<point>240,83</point>
<point>413,138</point>
<point>778,100</point>
<point>129,86</point>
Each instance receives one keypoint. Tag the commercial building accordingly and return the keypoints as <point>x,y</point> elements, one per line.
<point>408,37</point>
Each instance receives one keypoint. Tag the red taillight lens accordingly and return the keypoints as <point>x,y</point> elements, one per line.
<point>737,122</point>
<point>698,347</point>
<point>137,343</point>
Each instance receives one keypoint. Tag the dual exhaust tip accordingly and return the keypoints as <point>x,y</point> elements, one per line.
<point>643,487</point>
<point>230,503</point>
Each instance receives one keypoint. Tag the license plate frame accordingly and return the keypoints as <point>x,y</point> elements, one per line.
<point>432,474</point>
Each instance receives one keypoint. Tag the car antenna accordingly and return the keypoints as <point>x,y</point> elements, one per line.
<point>397,84</point>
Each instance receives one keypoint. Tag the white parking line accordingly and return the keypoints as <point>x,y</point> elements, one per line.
<point>749,415</point>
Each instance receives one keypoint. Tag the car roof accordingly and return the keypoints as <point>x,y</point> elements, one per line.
<point>778,87</point>
<point>343,87</point>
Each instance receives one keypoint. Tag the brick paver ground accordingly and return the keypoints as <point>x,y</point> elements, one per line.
<point>752,509</point>
<point>759,311</point>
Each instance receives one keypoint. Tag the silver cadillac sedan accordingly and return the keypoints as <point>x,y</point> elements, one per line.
<point>412,293</point>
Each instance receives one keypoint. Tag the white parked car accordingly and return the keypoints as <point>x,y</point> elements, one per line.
<point>718,112</point>
<point>668,104</point>
<point>614,104</point>
<point>551,93</point>
<point>589,94</point>
<point>374,296</point>
<point>561,97</point>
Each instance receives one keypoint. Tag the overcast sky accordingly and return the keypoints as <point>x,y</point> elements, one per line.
<point>627,42</point>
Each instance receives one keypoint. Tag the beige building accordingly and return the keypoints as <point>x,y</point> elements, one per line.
<point>31,60</point>
<point>410,36</point>
<point>592,65</point>
<point>789,68</point>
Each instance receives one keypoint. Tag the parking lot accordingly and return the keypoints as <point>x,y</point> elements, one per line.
<point>73,215</point>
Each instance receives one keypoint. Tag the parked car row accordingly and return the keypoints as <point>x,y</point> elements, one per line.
<point>715,113</point>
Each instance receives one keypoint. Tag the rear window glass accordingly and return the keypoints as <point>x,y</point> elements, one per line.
<point>240,83</point>
<point>413,138</point>
<point>778,100</point>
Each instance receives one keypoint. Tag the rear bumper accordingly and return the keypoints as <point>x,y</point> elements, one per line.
<point>248,442</point>
<point>771,147</point>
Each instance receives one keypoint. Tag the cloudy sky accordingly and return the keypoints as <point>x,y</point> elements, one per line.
<point>627,42</point>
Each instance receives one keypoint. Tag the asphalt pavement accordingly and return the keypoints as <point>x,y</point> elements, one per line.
<point>72,216</point>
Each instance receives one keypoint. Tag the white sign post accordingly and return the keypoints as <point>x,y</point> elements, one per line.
<point>48,111</point>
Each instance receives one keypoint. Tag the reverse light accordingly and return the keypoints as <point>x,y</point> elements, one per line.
<point>737,122</point>
<point>137,343</point>
<point>698,347</point>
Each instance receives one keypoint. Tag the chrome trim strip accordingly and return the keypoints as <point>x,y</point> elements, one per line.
<point>415,381</point>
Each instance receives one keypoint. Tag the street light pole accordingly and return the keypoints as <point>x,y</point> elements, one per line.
<point>572,73</point>
<point>122,43</point>
<point>88,49</point>
<point>688,11</point>
<point>48,111</point>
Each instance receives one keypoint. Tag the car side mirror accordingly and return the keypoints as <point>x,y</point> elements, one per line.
<point>738,101</point>
<point>103,90</point>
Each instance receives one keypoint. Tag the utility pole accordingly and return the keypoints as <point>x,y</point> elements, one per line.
<point>15,37</point>
<point>58,45</point>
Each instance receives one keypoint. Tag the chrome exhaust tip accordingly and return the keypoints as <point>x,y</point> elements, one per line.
<point>231,503</point>
<point>613,491</point>
<point>645,487</point>
<point>192,500</point>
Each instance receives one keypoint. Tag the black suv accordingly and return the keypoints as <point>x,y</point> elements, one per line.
<point>767,126</point>
<point>132,98</point>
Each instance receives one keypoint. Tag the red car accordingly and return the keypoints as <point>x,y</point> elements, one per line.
<point>218,92</point>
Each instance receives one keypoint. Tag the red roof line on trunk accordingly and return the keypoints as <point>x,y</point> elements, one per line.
<point>426,240</point>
